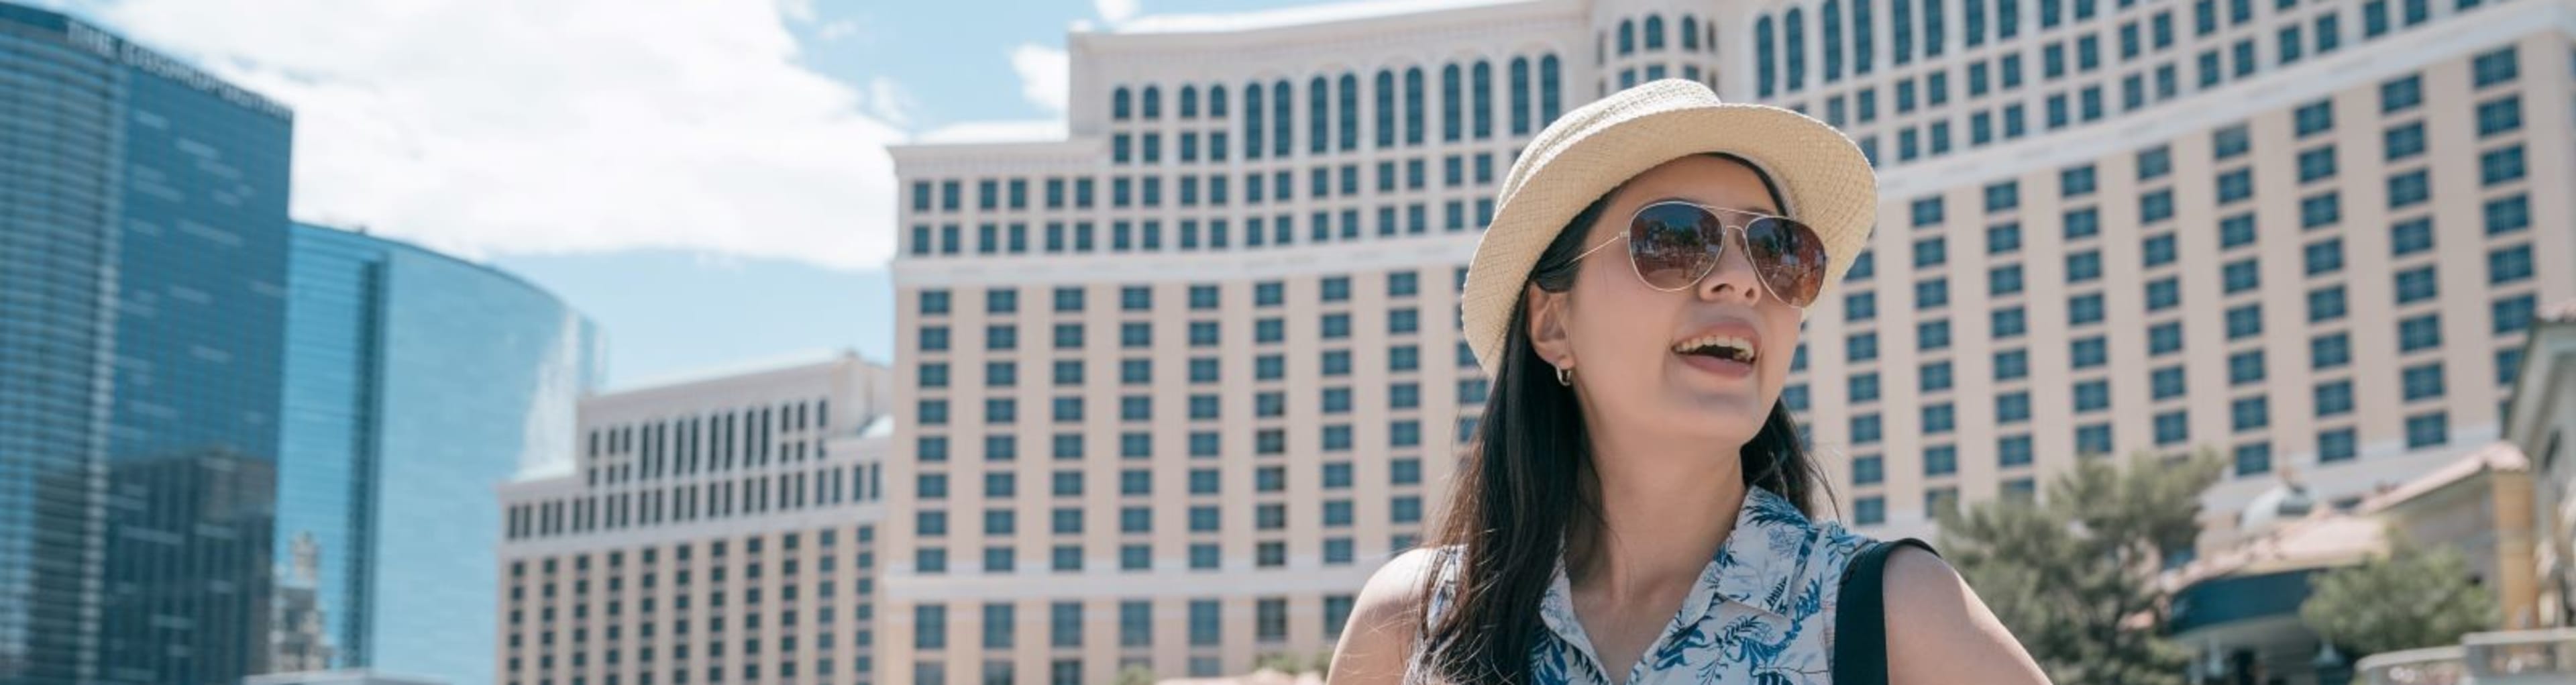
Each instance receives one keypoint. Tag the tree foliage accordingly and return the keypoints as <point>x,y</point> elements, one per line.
<point>2073,575</point>
<point>2412,597</point>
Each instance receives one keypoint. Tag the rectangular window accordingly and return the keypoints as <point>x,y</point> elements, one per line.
<point>2422,381</point>
<point>2416,285</point>
<point>2326,304</point>
<point>2427,430</point>
<point>2330,351</point>
<point>2012,365</point>
<point>2419,333</point>
<point>2401,94</point>
<point>2089,352</point>
<point>2495,117</point>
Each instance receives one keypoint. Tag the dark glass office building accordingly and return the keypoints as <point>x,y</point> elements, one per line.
<point>416,384</point>
<point>143,248</point>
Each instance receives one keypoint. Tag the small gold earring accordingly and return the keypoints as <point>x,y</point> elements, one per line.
<point>1565,376</point>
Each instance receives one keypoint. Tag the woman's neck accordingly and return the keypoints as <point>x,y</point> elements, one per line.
<point>1663,514</point>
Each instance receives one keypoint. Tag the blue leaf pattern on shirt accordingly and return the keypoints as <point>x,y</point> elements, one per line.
<point>1770,593</point>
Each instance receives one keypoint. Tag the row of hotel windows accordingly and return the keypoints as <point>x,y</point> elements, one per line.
<point>2334,444</point>
<point>713,442</point>
<point>698,501</point>
<point>1147,191</point>
<point>1147,236</point>
<point>1333,400</point>
<point>2087,104</point>
<point>1690,34</point>
<point>1139,557</point>
<point>1466,102</point>
<point>783,661</point>
<point>2423,429</point>
<point>2422,383</point>
<point>2510,316</point>
<point>1781,55</point>
<point>936,302</point>
<point>1136,629</point>
<point>1136,623</point>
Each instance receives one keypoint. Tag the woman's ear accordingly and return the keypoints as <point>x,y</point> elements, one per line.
<point>1547,324</point>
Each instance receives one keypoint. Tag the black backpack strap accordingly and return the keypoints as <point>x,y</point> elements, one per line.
<point>1860,618</point>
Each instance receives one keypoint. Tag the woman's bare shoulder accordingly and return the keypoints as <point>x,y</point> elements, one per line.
<point>1939,632</point>
<point>1377,644</point>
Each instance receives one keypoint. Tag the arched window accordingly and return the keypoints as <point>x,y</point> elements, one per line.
<point>1189,102</point>
<point>1453,105</point>
<point>1483,87</point>
<point>1119,102</point>
<point>1690,33</point>
<point>1627,37</point>
<point>1350,104</point>
<point>1413,106</point>
<point>1794,27</point>
<point>1550,90</point>
<point>1319,117</point>
<point>1864,51</point>
<point>1654,32</point>
<point>1385,108</point>
<point>1252,125</point>
<point>1832,18</point>
<point>1153,102</point>
<point>1900,20</point>
<point>1974,15</point>
<point>1766,66</point>
<point>1280,132</point>
<point>1216,101</point>
<point>1520,101</point>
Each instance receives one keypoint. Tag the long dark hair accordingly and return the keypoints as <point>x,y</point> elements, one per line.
<point>1516,497</point>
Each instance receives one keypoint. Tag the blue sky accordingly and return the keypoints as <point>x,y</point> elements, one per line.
<point>705,180</point>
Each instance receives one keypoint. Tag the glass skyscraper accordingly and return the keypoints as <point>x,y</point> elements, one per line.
<point>143,237</point>
<point>416,384</point>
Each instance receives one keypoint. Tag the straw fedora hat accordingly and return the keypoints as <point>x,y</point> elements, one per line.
<point>1581,157</point>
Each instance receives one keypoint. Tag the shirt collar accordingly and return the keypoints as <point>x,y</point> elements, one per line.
<point>1764,561</point>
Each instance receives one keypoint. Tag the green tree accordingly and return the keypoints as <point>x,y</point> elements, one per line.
<point>1136,674</point>
<point>2412,597</point>
<point>2073,574</point>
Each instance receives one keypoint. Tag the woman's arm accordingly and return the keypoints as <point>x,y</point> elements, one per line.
<point>1377,644</point>
<point>1939,633</point>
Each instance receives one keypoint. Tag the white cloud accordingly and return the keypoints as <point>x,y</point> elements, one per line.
<point>887,100</point>
<point>1046,75</point>
<point>799,10</point>
<point>838,29</point>
<point>1115,11</point>
<point>492,126</point>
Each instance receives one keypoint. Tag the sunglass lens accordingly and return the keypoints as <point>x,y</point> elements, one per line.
<point>1789,256</point>
<point>1669,243</point>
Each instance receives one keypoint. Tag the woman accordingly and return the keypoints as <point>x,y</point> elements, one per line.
<point>1636,510</point>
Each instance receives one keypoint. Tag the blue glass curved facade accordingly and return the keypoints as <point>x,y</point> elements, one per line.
<point>416,384</point>
<point>142,306</point>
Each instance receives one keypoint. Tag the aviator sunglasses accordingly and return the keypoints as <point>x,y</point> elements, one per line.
<point>1673,244</point>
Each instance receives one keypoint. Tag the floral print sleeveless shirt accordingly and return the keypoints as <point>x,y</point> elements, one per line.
<point>1762,611</point>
